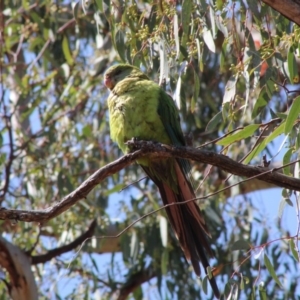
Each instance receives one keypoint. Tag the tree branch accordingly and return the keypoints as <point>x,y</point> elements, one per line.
<point>66,248</point>
<point>156,150</point>
<point>134,281</point>
<point>22,285</point>
<point>288,8</point>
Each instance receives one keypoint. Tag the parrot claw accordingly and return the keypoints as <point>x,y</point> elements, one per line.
<point>136,144</point>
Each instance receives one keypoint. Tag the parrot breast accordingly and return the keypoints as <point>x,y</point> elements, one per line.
<point>133,113</point>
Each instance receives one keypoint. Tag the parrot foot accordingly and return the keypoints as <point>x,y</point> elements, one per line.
<point>136,144</point>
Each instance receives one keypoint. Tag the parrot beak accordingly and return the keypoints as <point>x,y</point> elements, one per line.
<point>108,82</point>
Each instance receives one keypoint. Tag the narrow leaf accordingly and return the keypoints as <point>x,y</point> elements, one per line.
<point>163,225</point>
<point>199,52</point>
<point>209,40</point>
<point>99,4</point>
<point>262,292</point>
<point>137,293</point>
<point>212,124</point>
<point>164,68</point>
<point>261,146</point>
<point>176,35</point>
<point>66,51</point>
<point>177,93</point>
<point>230,89</point>
<point>223,62</point>
<point>282,205</point>
<point>247,92</point>
<point>293,115</point>
<point>292,66</point>
<point>294,250</point>
<point>242,283</point>
<point>212,21</point>
<point>271,270</point>
<point>196,91</point>
<point>260,103</point>
<point>134,245</point>
<point>120,44</point>
<point>204,285</point>
<point>240,135</point>
<point>164,261</point>
<point>286,160</point>
<point>187,6</point>
<point>240,245</point>
<point>296,169</point>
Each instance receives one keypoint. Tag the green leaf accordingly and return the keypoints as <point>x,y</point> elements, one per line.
<point>199,52</point>
<point>120,44</point>
<point>163,225</point>
<point>242,283</point>
<point>297,143</point>
<point>184,52</point>
<point>212,124</point>
<point>176,35</point>
<point>223,61</point>
<point>286,160</point>
<point>292,66</point>
<point>230,89</point>
<point>37,19</point>
<point>293,115</point>
<point>240,245</point>
<point>227,290</point>
<point>247,92</point>
<point>262,145</point>
<point>208,39</point>
<point>219,4</point>
<point>260,103</point>
<point>165,261</point>
<point>75,7</point>
<point>289,202</point>
<point>212,20</point>
<point>93,260</point>
<point>285,193</point>
<point>138,293</point>
<point>281,208</point>
<point>271,270</point>
<point>280,115</point>
<point>262,292</point>
<point>240,135</point>
<point>66,50</point>
<point>115,189</point>
<point>134,245</point>
<point>204,284</point>
<point>152,17</point>
<point>252,295</point>
<point>2,158</point>
<point>196,91</point>
<point>99,4</point>
<point>294,249</point>
<point>186,11</point>
<point>87,130</point>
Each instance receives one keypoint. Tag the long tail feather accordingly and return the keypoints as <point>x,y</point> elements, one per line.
<point>187,222</point>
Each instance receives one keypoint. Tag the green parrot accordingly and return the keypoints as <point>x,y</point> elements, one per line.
<point>140,108</point>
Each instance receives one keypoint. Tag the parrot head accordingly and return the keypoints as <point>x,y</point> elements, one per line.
<point>117,73</point>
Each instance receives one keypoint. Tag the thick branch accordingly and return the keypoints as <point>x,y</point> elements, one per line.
<point>66,248</point>
<point>22,285</point>
<point>80,193</point>
<point>134,281</point>
<point>288,8</point>
<point>155,150</point>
